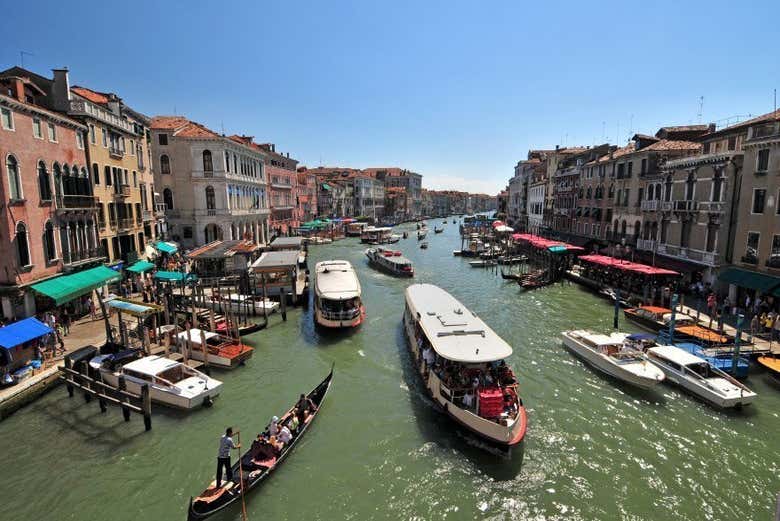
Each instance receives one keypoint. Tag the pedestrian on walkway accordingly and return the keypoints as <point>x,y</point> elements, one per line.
<point>65,322</point>
<point>92,309</point>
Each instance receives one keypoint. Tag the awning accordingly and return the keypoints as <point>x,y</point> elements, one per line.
<point>166,247</point>
<point>325,186</point>
<point>141,267</point>
<point>750,279</point>
<point>133,308</point>
<point>175,276</point>
<point>66,288</point>
<point>23,331</point>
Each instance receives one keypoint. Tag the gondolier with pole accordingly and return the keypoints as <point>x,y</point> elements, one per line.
<point>223,458</point>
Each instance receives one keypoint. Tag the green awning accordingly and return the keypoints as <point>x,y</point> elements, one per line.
<point>325,186</point>
<point>750,279</point>
<point>66,288</point>
<point>175,276</point>
<point>141,267</point>
<point>166,247</point>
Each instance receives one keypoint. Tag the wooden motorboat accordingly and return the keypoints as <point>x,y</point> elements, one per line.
<point>654,318</point>
<point>390,261</point>
<point>213,499</point>
<point>771,363</point>
<point>441,333</point>
<point>611,355</point>
<point>219,350</point>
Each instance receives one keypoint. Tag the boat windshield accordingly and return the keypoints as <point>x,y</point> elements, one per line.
<point>702,369</point>
<point>340,309</point>
<point>175,374</point>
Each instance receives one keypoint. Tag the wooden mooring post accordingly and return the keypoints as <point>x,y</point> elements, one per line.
<point>107,394</point>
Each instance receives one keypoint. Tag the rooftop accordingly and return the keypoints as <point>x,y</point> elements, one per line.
<point>336,280</point>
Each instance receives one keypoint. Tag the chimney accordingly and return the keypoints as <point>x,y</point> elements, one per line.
<point>18,88</point>
<point>114,104</point>
<point>288,155</point>
<point>711,128</point>
<point>60,90</point>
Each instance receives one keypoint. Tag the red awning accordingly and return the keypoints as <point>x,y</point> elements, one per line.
<point>543,243</point>
<point>624,265</point>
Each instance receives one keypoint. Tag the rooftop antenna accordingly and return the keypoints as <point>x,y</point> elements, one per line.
<point>222,126</point>
<point>701,108</point>
<point>775,105</point>
<point>631,126</point>
<point>21,55</point>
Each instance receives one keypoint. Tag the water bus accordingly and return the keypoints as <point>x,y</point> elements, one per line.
<point>389,261</point>
<point>337,295</point>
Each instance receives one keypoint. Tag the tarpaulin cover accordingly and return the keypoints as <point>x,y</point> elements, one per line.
<point>66,288</point>
<point>141,266</point>
<point>23,331</point>
<point>175,276</point>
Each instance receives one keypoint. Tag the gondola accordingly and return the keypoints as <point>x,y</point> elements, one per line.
<point>510,276</point>
<point>212,500</point>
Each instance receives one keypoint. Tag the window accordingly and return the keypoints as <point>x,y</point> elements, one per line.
<point>37,129</point>
<point>165,163</point>
<point>706,149</point>
<point>208,165</point>
<point>644,166</point>
<point>668,193</point>
<point>49,249</point>
<point>107,174</point>
<point>52,132</point>
<point>762,163</point>
<point>22,245</point>
<point>132,147</point>
<point>210,199</point>
<point>105,137</point>
<point>92,136</point>
<point>135,179</point>
<point>759,199</point>
<point>14,181</point>
<point>751,250</point>
<point>227,160</point>
<point>187,232</point>
<point>8,118</point>
<point>620,170</point>
<point>690,186</point>
<point>630,168</point>
<point>717,185</point>
<point>79,140</point>
<point>44,186</point>
<point>95,173</point>
<point>774,257</point>
<point>168,199</point>
<point>162,139</point>
<point>732,144</point>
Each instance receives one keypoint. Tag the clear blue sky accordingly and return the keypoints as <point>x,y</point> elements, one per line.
<point>457,91</point>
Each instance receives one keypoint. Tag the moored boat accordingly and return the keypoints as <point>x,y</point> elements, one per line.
<point>699,378</point>
<point>424,245</point>
<point>390,261</point>
<point>609,354</point>
<point>381,235</point>
<point>462,364</point>
<point>254,471</point>
<point>219,350</point>
<point>337,295</point>
<point>771,363</point>
<point>437,230</point>
<point>170,382</point>
<point>654,318</point>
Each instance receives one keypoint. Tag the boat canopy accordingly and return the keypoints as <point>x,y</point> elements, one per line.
<point>67,287</point>
<point>676,355</point>
<point>454,332</point>
<point>22,331</point>
<point>151,365</point>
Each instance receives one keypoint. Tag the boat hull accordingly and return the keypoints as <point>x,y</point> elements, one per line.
<point>701,392</point>
<point>387,269</point>
<point>162,396</point>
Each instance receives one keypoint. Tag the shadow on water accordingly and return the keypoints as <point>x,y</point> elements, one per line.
<point>437,427</point>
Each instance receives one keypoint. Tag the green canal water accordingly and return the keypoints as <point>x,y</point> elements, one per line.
<point>594,450</point>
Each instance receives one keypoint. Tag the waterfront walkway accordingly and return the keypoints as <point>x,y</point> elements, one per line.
<point>757,345</point>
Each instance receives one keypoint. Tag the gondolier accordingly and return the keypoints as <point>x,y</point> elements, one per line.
<point>223,458</point>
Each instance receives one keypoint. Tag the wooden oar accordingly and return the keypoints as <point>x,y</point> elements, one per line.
<point>241,477</point>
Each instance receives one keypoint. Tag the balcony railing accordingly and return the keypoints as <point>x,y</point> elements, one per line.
<point>76,202</point>
<point>148,216</point>
<point>208,173</point>
<point>72,257</point>
<point>704,257</point>
<point>122,191</point>
<point>116,152</point>
<point>86,108</point>
<point>645,244</point>
<point>650,206</point>
<point>686,206</point>
<point>711,206</point>
<point>749,259</point>
<point>125,223</point>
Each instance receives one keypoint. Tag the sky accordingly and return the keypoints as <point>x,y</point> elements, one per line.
<point>456,91</point>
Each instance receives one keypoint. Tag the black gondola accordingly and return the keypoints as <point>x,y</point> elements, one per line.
<point>212,500</point>
<point>510,276</point>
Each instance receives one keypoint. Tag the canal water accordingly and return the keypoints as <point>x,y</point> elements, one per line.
<point>594,450</point>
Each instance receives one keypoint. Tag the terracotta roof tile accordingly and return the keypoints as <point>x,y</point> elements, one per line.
<point>669,144</point>
<point>182,127</point>
<point>91,95</point>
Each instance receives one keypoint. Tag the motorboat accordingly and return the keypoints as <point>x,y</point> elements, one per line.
<point>355,229</point>
<point>421,234</point>
<point>772,364</point>
<point>699,378</point>
<point>723,361</point>
<point>655,318</point>
<point>438,230</point>
<point>319,240</point>
<point>337,295</point>
<point>394,238</point>
<point>239,303</point>
<point>218,350</point>
<point>390,261</point>
<point>482,263</point>
<point>611,355</point>
<point>170,382</point>
<point>515,259</point>
<point>382,235</point>
<point>424,245</point>
<point>461,362</point>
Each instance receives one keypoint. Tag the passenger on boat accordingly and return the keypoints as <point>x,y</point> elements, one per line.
<point>262,449</point>
<point>429,357</point>
<point>284,435</point>
<point>468,400</point>
<point>305,408</point>
<point>273,427</point>
<point>293,422</point>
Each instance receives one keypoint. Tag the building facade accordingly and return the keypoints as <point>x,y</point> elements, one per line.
<point>393,177</point>
<point>282,176</point>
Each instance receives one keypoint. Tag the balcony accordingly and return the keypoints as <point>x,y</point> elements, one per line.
<point>122,191</point>
<point>686,206</point>
<point>82,256</point>
<point>645,244</point>
<point>116,152</point>
<point>159,210</point>
<point>749,259</point>
<point>148,216</point>
<point>711,206</point>
<point>650,206</point>
<point>86,108</point>
<point>280,185</point>
<point>76,203</point>
<point>125,223</point>
<point>702,257</point>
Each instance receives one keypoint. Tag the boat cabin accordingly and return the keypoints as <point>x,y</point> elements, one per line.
<point>374,235</point>
<point>337,297</point>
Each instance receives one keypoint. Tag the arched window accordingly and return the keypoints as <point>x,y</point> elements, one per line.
<point>668,193</point>
<point>168,199</point>
<point>588,193</point>
<point>95,173</point>
<point>637,229</point>
<point>690,186</point>
<point>623,228</point>
<point>14,181</point>
<point>49,249</point>
<point>210,199</point>
<point>208,164</point>
<point>84,184</point>
<point>22,245</point>
<point>227,160</point>
<point>165,164</point>
<point>44,186</point>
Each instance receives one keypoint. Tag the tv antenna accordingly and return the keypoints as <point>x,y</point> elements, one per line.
<point>22,54</point>
<point>701,108</point>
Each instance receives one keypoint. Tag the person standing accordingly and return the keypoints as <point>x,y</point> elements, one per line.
<point>92,309</point>
<point>223,457</point>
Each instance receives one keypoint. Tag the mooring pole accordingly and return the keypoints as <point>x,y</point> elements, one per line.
<point>737,338</point>
<point>671,319</point>
<point>617,309</point>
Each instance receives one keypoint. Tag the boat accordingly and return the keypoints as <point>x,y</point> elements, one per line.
<point>421,234</point>
<point>772,364</point>
<point>394,238</point>
<point>452,349</point>
<point>389,261</point>
<point>355,229</point>
<point>337,295</point>
<point>405,235</point>
<point>516,259</point>
<point>170,382</point>
<point>423,245</point>
<point>238,303</point>
<point>219,350</point>
<point>699,378</point>
<point>482,263</point>
<point>372,235</point>
<point>654,318</point>
<point>723,361</point>
<point>319,240</point>
<point>611,355</point>
<point>533,280</point>
<point>612,295</point>
<point>454,221</point>
<point>511,276</point>
<point>438,230</point>
<point>254,473</point>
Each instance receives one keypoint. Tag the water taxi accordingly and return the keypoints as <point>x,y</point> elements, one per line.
<point>699,378</point>
<point>220,351</point>
<point>337,295</point>
<point>389,261</point>
<point>421,234</point>
<point>170,383</point>
<point>611,355</point>
<point>461,362</point>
